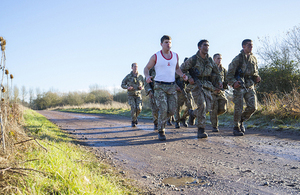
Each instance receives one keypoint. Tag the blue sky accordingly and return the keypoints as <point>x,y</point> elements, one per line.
<point>72,44</point>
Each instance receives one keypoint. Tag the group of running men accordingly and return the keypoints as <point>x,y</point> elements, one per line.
<point>200,82</point>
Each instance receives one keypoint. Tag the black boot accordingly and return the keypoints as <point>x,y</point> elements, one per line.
<point>201,133</point>
<point>133,124</point>
<point>242,128</point>
<point>184,123</point>
<point>237,131</point>
<point>191,118</point>
<point>161,136</point>
<point>215,129</point>
<point>169,123</point>
<point>177,125</point>
<point>136,122</point>
<point>155,127</point>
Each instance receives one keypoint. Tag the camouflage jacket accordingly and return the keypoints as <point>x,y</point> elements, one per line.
<point>205,67</point>
<point>134,81</point>
<point>248,66</point>
<point>215,80</point>
<point>223,75</point>
<point>148,87</point>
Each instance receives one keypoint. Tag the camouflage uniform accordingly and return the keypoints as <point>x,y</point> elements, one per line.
<point>181,100</point>
<point>148,89</point>
<point>134,96</point>
<point>202,98</point>
<point>219,103</point>
<point>166,101</point>
<point>250,70</point>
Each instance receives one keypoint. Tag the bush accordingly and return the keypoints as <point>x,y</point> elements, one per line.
<point>73,99</point>
<point>121,97</point>
<point>102,96</point>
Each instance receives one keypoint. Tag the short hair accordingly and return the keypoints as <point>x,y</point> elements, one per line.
<point>217,54</point>
<point>133,64</point>
<point>165,37</point>
<point>185,59</point>
<point>201,42</point>
<point>245,41</point>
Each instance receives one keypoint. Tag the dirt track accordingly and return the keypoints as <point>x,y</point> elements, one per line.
<point>261,162</point>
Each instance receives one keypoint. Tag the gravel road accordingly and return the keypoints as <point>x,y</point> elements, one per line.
<point>261,162</point>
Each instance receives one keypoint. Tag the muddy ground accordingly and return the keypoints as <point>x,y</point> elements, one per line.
<point>263,161</point>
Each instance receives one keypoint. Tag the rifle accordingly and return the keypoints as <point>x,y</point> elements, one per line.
<point>151,86</point>
<point>180,84</point>
<point>194,72</point>
<point>238,76</point>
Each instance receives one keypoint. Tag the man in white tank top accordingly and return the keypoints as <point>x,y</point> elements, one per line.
<point>166,65</point>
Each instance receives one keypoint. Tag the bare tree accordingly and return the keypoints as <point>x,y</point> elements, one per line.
<point>274,51</point>
<point>31,96</point>
<point>293,41</point>
<point>16,94</point>
<point>23,93</point>
<point>38,92</point>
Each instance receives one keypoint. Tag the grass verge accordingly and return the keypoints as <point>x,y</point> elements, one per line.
<point>55,164</point>
<point>146,113</point>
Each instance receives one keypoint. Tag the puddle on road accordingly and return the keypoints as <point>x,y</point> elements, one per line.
<point>183,181</point>
<point>86,117</point>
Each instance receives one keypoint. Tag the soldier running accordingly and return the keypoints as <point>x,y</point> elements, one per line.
<point>219,102</point>
<point>133,82</point>
<point>165,63</point>
<point>243,75</point>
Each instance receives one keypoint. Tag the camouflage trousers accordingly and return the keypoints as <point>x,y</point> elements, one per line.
<point>181,100</point>
<point>154,109</point>
<point>219,106</point>
<point>166,100</point>
<point>251,104</point>
<point>135,102</point>
<point>203,101</point>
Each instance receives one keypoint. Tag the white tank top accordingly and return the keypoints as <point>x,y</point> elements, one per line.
<point>165,68</point>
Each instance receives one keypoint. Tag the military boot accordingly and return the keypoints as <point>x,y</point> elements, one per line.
<point>133,124</point>
<point>169,123</point>
<point>184,123</point>
<point>242,128</point>
<point>191,118</point>
<point>155,127</point>
<point>237,131</point>
<point>201,133</point>
<point>161,136</point>
<point>215,129</point>
<point>177,125</point>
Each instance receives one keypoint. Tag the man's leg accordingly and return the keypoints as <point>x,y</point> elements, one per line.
<point>185,114</point>
<point>238,95</point>
<point>251,102</point>
<point>214,114</point>
<point>138,101</point>
<point>200,112</point>
<point>131,102</point>
<point>179,105</point>
<point>189,105</point>
<point>154,112</point>
<point>161,102</point>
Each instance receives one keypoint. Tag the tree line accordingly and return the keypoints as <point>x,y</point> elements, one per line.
<point>279,70</point>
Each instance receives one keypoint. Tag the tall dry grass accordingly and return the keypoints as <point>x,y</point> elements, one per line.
<point>282,106</point>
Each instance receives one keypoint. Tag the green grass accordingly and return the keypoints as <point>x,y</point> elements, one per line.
<point>67,167</point>
<point>146,113</point>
